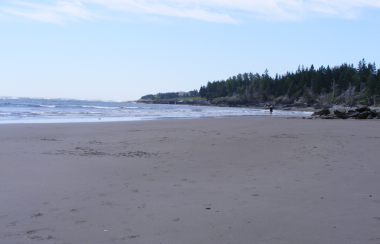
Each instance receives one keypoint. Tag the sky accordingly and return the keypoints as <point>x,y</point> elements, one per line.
<point>124,49</point>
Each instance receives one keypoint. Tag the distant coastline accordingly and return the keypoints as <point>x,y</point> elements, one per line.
<point>305,89</point>
<point>234,104</point>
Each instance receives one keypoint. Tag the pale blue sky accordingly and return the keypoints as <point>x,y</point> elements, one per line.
<point>123,49</point>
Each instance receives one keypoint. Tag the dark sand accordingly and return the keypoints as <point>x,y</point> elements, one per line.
<point>229,180</point>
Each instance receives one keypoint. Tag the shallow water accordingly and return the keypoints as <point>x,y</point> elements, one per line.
<point>37,110</point>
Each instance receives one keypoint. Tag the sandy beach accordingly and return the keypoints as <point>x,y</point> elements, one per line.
<point>211,180</point>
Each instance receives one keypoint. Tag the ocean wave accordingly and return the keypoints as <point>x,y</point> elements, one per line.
<point>71,109</point>
<point>100,100</point>
<point>40,113</point>
<point>80,112</point>
<point>2,104</point>
<point>62,99</point>
<point>100,107</point>
<point>40,106</point>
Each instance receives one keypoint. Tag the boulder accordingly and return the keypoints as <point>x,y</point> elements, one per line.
<point>364,115</point>
<point>370,116</point>
<point>321,106</point>
<point>362,109</point>
<point>352,114</point>
<point>341,113</point>
<point>323,111</point>
<point>374,114</point>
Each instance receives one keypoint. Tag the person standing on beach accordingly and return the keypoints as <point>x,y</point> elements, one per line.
<point>271,109</point>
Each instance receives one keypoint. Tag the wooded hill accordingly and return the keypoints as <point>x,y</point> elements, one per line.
<point>170,95</point>
<point>344,84</point>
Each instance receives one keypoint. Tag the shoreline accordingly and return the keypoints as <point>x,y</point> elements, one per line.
<point>203,103</point>
<point>262,105</point>
<point>134,119</point>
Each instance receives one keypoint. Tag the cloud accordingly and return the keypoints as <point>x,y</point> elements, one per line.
<point>224,11</point>
<point>60,12</point>
<point>165,8</point>
<point>341,8</point>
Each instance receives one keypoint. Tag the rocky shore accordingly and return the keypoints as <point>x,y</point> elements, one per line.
<point>320,111</point>
<point>362,112</point>
<point>233,103</point>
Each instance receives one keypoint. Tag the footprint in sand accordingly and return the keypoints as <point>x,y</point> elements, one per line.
<point>131,237</point>
<point>36,215</point>
<point>374,239</point>
<point>80,221</point>
<point>12,223</point>
<point>31,232</point>
<point>108,204</point>
<point>38,238</point>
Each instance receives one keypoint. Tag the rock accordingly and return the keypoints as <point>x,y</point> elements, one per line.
<point>364,114</point>
<point>321,106</point>
<point>374,114</point>
<point>362,109</point>
<point>323,111</point>
<point>341,113</point>
<point>352,114</point>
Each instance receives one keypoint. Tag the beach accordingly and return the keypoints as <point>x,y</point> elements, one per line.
<point>207,180</point>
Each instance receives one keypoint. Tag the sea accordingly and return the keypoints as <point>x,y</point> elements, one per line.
<point>39,110</point>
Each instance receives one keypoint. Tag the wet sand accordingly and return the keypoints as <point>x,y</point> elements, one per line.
<point>227,180</point>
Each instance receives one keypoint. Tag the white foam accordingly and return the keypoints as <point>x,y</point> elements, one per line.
<point>40,113</point>
<point>100,107</point>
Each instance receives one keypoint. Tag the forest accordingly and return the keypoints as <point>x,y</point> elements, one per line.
<point>171,95</point>
<point>344,84</point>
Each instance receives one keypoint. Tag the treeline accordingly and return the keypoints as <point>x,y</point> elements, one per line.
<point>171,95</point>
<point>344,82</point>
